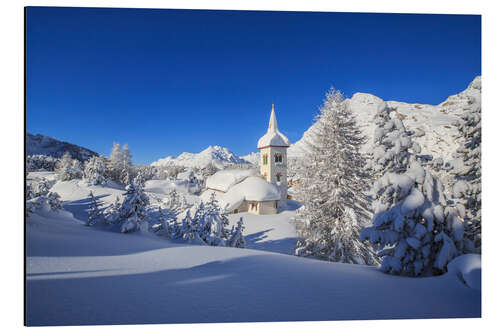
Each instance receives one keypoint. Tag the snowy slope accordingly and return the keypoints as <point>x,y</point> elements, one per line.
<point>85,275</point>
<point>433,120</point>
<point>44,145</point>
<point>216,155</point>
<point>80,275</point>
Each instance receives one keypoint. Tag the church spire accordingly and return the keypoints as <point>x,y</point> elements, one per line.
<point>273,123</point>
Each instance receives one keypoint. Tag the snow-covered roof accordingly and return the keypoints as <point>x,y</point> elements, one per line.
<point>253,188</point>
<point>256,188</point>
<point>273,137</point>
<point>224,179</point>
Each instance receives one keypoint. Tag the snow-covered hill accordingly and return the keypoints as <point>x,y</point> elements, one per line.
<point>252,158</point>
<point>432,124</point>
<point>43,145</point>
<point>77,275</point>
<point>216,155</point>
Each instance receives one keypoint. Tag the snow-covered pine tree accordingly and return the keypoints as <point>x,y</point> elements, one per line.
<point>54,200</point>
<point>115,163</point>
<point>466,169</point>
<point>167,225</point>
<point>169,209</point>
<point>189,230</point>
<point>331,187</point>
<point>67,168</point>
<point>126,169</point>
<point>236,239</point>
<point>392,146</point>
<point>415,228</point>
<point>94,212</point>
<point>95,170</point>
<point>212,223</point>
<point>131,214</point>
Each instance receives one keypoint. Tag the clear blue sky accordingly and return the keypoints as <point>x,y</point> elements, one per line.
<point>168,81</point>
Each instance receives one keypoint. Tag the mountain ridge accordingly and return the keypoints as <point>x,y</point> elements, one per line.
<point>39,144</point>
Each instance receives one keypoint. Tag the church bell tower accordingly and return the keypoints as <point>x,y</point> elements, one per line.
<point>273,161</point>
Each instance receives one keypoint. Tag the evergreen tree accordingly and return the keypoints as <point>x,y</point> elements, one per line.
<point>236,239</point>
<point>466,169</point>
<point>417,231</point>
<point>115,163</point>
<point>332,186</point>
<point>94,213</point>
<point>392,146</point>
<point>212,223</point>
<point>95,170</point>
<point>131,214</point>
<point>126,165</point>
<point>67,168</point>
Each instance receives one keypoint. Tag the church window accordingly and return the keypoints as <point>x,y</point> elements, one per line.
<point>264,159</point>
<point>278,158</point>
<point>278,176</point>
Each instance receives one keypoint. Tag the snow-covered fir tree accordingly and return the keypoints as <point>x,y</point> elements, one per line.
<point>126,171</point>
<point>131,214</point>
<point>68,168</point>
<point>332,186</point>
<point>236,239</point>
<point>95,170</point>
<point>189,230</point>
<point>392,146</point>
<point>466,169</point>
<point>167,225</point>
<point>212,223</point>
<point>40,163</point>
<point>120,164</point>
<point>416,229</point>
<point>204,224</point>
<point>94,212</point>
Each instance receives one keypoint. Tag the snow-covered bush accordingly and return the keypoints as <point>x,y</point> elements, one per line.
<point>38,188</point>
<point>95,170</point>
<point>50,200</point>
<point>68,168</point>
<point>332,186</point>
<point>415,228</point>
<point>40,163</point>
<point>392,146</point>
<point>131,213</point>
<point>466,169</point>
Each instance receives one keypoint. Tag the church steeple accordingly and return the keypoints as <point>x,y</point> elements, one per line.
<point>273,164</point>
<point>273,123</point>
<point>273,137</point>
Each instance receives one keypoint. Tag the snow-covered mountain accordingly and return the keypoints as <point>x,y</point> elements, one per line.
<point>43,145</point>
<point>432,124</point>
<point>215,155</point>
<point>252,158</point>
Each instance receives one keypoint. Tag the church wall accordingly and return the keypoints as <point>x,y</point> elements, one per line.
<point>267,207</point>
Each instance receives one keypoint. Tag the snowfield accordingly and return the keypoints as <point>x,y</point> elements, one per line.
<point>80,275</point>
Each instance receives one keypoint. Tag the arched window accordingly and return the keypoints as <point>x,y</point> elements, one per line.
<point>264,159</point>
<point>278,158</point>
